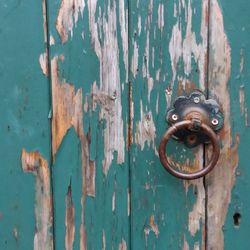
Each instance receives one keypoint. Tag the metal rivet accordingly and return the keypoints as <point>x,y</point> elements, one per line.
<point>215,122</point>
<point>196,99</point>
<point>174,117</point>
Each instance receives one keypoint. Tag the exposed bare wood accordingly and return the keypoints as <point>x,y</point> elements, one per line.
<point>145,129</point>
<point>34,163</point>
<point>68,16</point>
<point>222,179</point>
<point>69,221</point>
<point>67,113</point>
<point>123,245</point>
<point>108,96</point>
<point>43,60</point>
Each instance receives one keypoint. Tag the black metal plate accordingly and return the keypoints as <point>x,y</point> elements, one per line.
<point>195,102</point>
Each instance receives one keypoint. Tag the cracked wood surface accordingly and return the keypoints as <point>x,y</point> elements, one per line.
<point>87,99</point>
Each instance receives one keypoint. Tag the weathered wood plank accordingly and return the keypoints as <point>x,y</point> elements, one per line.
<point>228,185</point>
<point>89,61</point>
<point>25,202</point>
<point>168,57</point>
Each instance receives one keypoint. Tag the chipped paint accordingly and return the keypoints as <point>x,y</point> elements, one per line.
<point>196,217</point>
<point>110,85</point>
<point>187,48</point>
<point>123,245</point>
<point>154,226</point>
<point>34,163</point>
<point>123,19</point>
<point>67,112</point>
<point>128,203</point>
<point>145,129</point>
<point>150,87</point>
<point>139,25</point>
<point>242,100</point>
<point>68,17</point>
<point>69,221</point>
<point>185,244</point>
<point>131,117</point>
<point>161,17</point>
<point>51,40</point>
<point>90,178</point>
<point>67,108</point>
<point>168,95</point>
<point>134,64</point>
<point>241,61</point>
<point>243,105</point>
<point>44,21</point>
<point>103,240</point>
<point>43,60</point>
<point>113,202</point>
<point>219,192</point>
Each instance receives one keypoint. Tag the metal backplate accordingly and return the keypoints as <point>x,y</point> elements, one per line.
<point>195,107</point>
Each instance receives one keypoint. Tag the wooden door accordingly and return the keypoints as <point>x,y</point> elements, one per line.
<point>85,87</point>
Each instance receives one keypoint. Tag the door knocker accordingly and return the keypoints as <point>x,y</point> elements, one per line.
<point>193,120</point>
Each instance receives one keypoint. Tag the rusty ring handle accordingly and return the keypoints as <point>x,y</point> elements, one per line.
<point>186,124</point>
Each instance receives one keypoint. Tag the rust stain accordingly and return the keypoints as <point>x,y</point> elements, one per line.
<point>34,163</point>
<point>68,16</point>
<point>189,165</point>
<point>154,226</point>
<point>185,86</point>
<point>131,118</point>
<point>69,221</point>
<point>222,178</point>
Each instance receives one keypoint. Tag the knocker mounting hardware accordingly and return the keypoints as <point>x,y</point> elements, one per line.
<point>193,120</point>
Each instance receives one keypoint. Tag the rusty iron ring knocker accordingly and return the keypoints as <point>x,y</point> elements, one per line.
<point>190,176</point>
<point>193,120</point>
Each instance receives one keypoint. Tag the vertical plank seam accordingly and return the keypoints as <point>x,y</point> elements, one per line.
<point>50,116</point>
<point>205,147</point>
<point>130,129</point>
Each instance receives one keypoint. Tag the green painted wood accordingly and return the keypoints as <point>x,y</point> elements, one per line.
<point>228,206</point>
<point>90,101</point>
<point>24,110</point>
<point>88,44</point>
<point>168,48</point>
